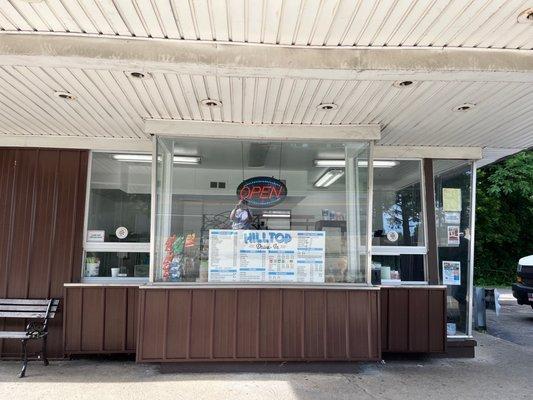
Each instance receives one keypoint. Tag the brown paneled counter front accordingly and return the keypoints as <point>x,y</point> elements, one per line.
<point>164,323</point>
<point>258,324</point>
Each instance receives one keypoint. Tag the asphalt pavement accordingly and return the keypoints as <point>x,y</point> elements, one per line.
<point>502,369</point>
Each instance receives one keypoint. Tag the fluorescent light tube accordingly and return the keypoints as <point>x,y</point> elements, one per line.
<point>148,158</point>
<point>330,177</point>
<point>330,163</point>
<point>342,163</point>
<point>186,160</point>
<point>133,157</point>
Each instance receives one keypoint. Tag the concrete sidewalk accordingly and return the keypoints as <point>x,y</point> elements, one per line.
<point>501,370</point>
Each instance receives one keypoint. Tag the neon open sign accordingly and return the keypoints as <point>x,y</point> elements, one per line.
<point>262,191</point>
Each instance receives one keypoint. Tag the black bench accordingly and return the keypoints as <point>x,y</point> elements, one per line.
<point>29,309</point>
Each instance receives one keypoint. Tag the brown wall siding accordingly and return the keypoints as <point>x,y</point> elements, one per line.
<point>258,324</point>
<point>42,198</point>
<point>413,320</point>
<point>100,319</point>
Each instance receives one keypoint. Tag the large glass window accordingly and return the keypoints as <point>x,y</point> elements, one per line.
<point>230,211</point>
<point>453,193</point>
<point>118,217</point>
<point>398,237</point>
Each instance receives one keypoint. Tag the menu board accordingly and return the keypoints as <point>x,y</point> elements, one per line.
<point>266,256</point>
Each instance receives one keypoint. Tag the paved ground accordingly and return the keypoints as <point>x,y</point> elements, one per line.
<point>503,369</point>
<point>515,323</point>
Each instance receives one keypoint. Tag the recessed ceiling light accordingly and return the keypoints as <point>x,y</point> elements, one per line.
<point>211,103</point>
<point>526,17</point>
<point>402,84</point>
<point>64,95</point>
<point>327,106</point>
<point>464,107</point>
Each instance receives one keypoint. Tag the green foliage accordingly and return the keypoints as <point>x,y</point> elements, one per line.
<point>504,215</point>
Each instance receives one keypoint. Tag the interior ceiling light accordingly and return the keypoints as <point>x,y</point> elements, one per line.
<point>526,17</point>
<point>327,106</point>
<point>211,103</point>
<point>464,107</point>
<point>64,95</point>
<point>329,177</point>
<point>341,163</point>
<point>276,214</point>
<point>401,84</point>
<point>146,158</point>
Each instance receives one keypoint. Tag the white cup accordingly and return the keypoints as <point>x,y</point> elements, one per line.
<point>114,272</point>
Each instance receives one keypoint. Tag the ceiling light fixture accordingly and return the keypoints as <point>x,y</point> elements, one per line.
<point>146,158</point>
<point>211,103</point>
<point>402,84</point>
<point>276,214</point>
<point>464,107</point>
<point>64,95</point>
<point>329,177</point>
<point>327,106</point>
<point>526,16</point>
<point>341,163</point>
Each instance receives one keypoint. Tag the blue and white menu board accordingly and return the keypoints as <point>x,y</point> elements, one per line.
<point>266,256</point>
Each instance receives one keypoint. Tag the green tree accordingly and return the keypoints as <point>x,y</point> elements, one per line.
<point>504,216</point>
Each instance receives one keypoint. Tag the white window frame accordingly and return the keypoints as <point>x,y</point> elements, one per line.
<point>108,247</point>
<point>413,250</point>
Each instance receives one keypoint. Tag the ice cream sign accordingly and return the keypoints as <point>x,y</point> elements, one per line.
<point>262,191</point>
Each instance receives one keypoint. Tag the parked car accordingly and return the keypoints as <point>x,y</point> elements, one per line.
<point>523,288</point>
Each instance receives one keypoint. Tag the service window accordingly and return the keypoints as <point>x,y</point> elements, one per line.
<point>117,237</point>
<point>231,212</point>
<point>398,230</point>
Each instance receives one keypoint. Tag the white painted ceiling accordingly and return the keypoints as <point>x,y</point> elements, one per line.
<point>111,104</point>
<point>452,23</point>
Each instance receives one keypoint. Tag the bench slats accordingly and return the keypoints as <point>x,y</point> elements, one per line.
<point>26,308</point>
<point>28,302</point>
<point>27,314</point>
<point>13,335</point>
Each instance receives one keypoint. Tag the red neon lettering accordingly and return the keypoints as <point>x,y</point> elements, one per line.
<point>266,192</point>
<point>244,195</point>
<point>256,191</point>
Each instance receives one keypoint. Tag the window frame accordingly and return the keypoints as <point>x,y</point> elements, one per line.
<point>412,250</point>
<point>109,247</point>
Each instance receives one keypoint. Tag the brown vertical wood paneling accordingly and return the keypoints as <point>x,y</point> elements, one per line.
<point>179,305</point>
<point>42,196</point>
<point>360,308</point>
<point>116,300</point>
<point>437,326</point>
<point>92,319</point>
<point>202,321</point>
<point>336,323</point>
<point>247,323</point>
<point>415,319</point>
<point>315,324</point>
<point>398,320</point>
<point>429,193</point>
<point>153,326</point>
<point>418,321</point>
<point>384,294</point>
<point>270,324</point>
<point>73,313</point>
<point>224,324</point>
<point>292,324</point>
<point>132,312</point>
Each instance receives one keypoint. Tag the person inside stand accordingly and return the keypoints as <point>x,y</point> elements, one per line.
<point>241,217</point>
